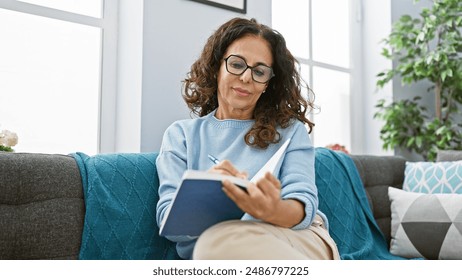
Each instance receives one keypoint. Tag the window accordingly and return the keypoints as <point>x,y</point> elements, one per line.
<point>318,35</point>
<point>91,8</point>
<point>52,75</point>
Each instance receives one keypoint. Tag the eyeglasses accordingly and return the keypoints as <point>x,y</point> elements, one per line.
<point>236,65</point>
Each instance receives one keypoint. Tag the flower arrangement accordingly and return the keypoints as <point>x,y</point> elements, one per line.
<point>8,139</point>
<point>338,147</point>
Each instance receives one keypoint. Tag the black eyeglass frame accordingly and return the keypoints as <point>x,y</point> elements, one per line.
<point>247,67</point>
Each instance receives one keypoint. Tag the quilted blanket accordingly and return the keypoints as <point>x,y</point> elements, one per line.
<point>343,199</point>
<point>120,192</point>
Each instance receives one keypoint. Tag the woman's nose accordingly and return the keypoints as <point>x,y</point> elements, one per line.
<point>246,77</point>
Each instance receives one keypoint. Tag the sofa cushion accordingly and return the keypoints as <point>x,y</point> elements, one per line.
<point>433,177</point>
<point>448,155</point>
<point>377,173</point>
<point>41,206</point>
<point>426,225</point>
<point>120,198</point>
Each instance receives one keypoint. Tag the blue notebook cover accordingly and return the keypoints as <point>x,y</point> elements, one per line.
<point>196,210</point>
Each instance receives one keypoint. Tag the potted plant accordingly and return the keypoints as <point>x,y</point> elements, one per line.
<point>425,48</point>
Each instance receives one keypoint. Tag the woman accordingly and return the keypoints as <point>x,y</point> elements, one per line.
<point>247,93</point>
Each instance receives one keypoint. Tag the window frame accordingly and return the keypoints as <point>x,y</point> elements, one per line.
<point>108,59</point>
<point>354,70</point>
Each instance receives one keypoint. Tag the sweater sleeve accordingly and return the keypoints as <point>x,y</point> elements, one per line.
<point>171,164</point>
<point>297,174</point>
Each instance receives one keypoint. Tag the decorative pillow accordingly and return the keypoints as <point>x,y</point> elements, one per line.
<point>426,225</point>
<point>433,177</point>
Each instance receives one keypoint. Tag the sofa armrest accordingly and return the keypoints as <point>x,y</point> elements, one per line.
<point>41,206</point>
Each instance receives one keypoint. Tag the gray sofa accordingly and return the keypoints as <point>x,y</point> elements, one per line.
<point>42,205</point>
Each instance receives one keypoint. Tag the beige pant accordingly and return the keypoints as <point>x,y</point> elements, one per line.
<point>235,240</point>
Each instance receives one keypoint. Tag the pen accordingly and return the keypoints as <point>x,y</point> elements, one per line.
<point>214,159</point>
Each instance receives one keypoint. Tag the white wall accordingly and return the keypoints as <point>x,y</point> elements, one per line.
<point>129,77</point>
<point>173,36</point>
<point>376,25</point>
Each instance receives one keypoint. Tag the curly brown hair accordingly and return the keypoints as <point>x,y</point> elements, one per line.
<point>282,102</point>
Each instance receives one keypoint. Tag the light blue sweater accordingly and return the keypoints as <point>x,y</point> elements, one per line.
<point>187,143</point>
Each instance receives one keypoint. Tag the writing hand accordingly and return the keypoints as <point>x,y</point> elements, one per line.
<point>227,168</point>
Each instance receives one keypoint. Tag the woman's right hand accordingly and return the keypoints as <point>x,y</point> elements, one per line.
<point>227,168</point>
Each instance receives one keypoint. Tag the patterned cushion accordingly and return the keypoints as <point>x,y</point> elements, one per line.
<point>433,177</point>
<point>426,225</point>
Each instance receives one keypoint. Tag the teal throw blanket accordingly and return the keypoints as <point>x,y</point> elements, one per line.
<point>120,192</point>
<point>343,199</point>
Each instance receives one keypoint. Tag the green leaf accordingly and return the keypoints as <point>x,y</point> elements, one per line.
<point>429,59</point>
<point>420,37</point>
<point>6,149</point>
<point>440,130</point>
<point>406,18</point>
<point>418,141</point>
<point>410,142</point>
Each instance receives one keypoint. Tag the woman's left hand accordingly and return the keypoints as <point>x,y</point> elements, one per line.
<point>261,199</point>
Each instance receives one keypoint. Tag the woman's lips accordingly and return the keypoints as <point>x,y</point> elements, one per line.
<point>241,91</point>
